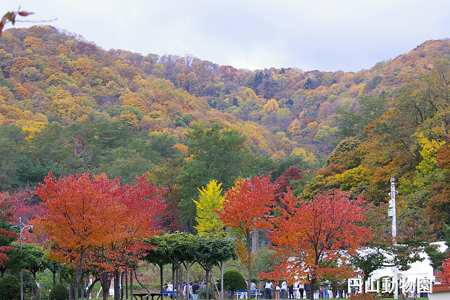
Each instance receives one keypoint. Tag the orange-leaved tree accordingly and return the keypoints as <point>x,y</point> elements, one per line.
<point>84,215</point>
<point>247,208</point>
<point>79,212</point>
<point>139,218</point>
<point>316,239</point>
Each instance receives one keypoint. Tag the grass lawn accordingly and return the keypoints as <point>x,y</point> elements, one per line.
<point>111,298</point>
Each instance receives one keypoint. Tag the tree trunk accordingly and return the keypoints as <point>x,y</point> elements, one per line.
<point>131,285</point>
<point>54,278</point>
<point>312,283</point>
<point>187,282</point>
<point>82,290</point>
<point>180,282</point>
<point>116,285</point>
<point>105,292</point>
<point>207,284</point>
<point>161,268</point>
<point>221,280</point>
<point>126,284</point>
<point>249,250</point>
<point>122,277</point>
<point>173,278</point>
<point>105,282</point>
<point>91,287</point>
<point>175,283</point>
<point>78,274</point>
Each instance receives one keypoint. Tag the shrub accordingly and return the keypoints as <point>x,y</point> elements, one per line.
<point>233,280</point>
<point>9,288</point>
<point>59,292</point>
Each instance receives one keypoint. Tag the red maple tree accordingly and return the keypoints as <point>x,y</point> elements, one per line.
<point>142,204</point>
<point>97,220</point>
<point>444,275</point>
<point>315,239</point>
<point>27,208</point>
<point>247,208</point>
<point>6,215</point>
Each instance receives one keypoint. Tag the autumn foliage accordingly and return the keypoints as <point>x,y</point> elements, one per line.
<point>247,207</point>
<point>314,238</point>
<point>444,276</point>
<point>209,200</point>
<point>6,213</point>
<point>68,106</point>
<point>97,220</point>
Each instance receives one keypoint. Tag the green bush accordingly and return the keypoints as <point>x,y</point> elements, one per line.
<point>29,284</point>
<point>59,292</point>
<point>233,280</point>
<point>9,288</point>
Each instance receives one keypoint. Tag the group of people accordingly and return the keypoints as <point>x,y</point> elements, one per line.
<point>269,290</point>
<point>193,288</point>
<point>294,291</point>
<point>275,290</point>
<point>168,287</point>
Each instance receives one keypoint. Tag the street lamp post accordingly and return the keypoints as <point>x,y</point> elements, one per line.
<point>30,230</point>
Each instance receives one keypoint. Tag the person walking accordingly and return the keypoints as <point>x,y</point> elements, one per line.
<point>195,288</point>
<point>291,291</point>
<point>277,290</point>
<point>202,284</point>
<point>301,289</point>
<point>325,294</point>
<point>252,286</point>
<point>283,290</point>
<point>268,289</point>
<point>308,290</point>
<point>261,288</point>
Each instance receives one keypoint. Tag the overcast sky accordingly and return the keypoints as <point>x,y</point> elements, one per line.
<point>327,35</point>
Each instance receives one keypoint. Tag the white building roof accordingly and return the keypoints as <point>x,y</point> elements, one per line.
<point>420,269</point>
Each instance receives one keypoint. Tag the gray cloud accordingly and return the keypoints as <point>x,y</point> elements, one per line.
<point>327,35</point>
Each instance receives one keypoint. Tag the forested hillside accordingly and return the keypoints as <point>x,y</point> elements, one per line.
<point>69,106</point>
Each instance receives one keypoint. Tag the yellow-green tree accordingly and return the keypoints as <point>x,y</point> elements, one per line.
<point>295,127</point>
<point>427,171</point>
<point>307,156</point>
<point>271,105</point>
<point>209,200</point>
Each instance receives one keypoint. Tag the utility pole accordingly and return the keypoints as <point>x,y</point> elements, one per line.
<point>392,213</point>
<point>22,226</point>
